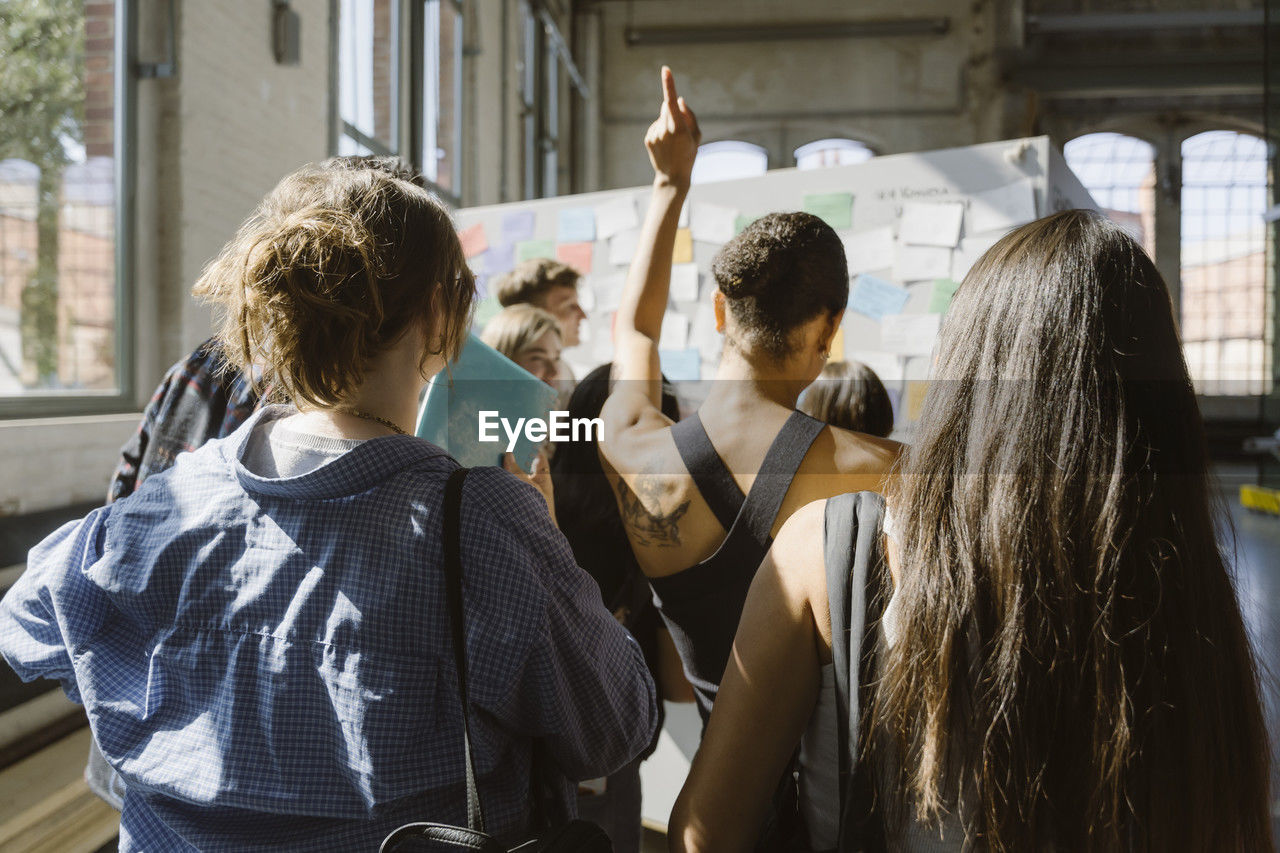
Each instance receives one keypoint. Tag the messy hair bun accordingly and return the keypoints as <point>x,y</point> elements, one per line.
<point>783,270</point>
<point>334,266</point>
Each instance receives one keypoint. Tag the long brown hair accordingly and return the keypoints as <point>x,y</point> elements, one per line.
<point>1071,667</point>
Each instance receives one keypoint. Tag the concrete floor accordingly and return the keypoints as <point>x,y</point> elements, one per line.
<point>1258,583</point>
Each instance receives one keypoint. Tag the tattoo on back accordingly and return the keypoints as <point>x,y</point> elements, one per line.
<point>646,528</point>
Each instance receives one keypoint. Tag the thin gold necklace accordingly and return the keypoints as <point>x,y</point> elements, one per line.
<point>368,417</point>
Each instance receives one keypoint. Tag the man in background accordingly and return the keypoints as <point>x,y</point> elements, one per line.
<point>549,285</point>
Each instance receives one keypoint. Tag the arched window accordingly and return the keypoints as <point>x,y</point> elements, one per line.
<point>1224,262</point>
<point>729,159</point>
<point>832,152</point>
<point>1119,171</point>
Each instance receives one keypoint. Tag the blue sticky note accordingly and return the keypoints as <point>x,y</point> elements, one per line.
<point>681,365</point>
<point>500,258</point>
<point>577,225</point>
<point>876,297</point>
<point>518,226</point>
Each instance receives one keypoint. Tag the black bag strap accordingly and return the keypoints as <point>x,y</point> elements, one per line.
<point>457,622</point>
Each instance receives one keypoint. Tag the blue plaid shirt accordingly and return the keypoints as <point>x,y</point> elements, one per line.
<point>268,664</point>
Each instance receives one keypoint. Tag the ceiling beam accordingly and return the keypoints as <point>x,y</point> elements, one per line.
<point>719,34</point>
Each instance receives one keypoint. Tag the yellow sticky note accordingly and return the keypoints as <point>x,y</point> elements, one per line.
<point>683,252</point>
<point>837,346</point>
<point>916,391</point>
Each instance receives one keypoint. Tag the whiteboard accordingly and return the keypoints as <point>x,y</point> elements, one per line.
<point>995,185</point>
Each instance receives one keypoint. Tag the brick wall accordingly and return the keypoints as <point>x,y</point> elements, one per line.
<point>99,74</point>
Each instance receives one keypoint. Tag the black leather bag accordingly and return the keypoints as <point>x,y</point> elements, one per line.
<point>574,836</point>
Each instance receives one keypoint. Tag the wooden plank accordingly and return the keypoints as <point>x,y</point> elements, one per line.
<point>48,807</point>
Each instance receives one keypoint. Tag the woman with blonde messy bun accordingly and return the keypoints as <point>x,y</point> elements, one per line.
<point>261,635</point>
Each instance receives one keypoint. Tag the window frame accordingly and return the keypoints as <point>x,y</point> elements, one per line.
<point>396,76</point>
<point>1168,201</point>
<point>727,145</point>
<point>855,144</point>
<point>123,398</point>
<point>409,80</point>
<point>548,79</point>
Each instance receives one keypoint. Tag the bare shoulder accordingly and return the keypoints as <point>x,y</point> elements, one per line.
<point>859,453</point>
<point>797,558</point>
<point>797,550</point>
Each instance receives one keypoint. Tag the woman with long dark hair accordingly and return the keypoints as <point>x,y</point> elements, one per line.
<point>1062,663</point>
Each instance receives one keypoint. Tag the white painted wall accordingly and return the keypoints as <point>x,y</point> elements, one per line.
<point>901,93</point>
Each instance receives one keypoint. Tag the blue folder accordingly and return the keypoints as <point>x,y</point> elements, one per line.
<point>482,379</point>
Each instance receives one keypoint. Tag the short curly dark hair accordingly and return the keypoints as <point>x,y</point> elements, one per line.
<point>783,270</point>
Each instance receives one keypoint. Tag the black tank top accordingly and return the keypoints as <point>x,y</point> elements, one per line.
<point>702,604</point>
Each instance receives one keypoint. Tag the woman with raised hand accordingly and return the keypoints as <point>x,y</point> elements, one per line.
<point>702,499</point>
<point>260,634</point>
<point>1062,662</point>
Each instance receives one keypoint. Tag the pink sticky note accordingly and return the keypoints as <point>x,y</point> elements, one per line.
<point>576,255</point>
<point>473,240</point>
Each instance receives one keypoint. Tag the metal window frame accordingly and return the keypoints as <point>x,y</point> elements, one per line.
<point>417,93</point>
<point>543,55</point>
<point>339,127</point>
<point>38,403</point>
<point>1219,400</point>
<point>408,79</point>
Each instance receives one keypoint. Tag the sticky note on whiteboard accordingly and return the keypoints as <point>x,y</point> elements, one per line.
<point>876,297</point>
<point>968,252</point>
<point>500,258</point>
<point>1002,208</point>
<point>517,226</point>
<point>712,223</point>
<point>622,247</point>
<point>684,282</point>
<point>577,225</point>
<point>683,365</point>
<point>616,215</point>
<point>682,253</point>
<point>940,297</point>
<point>918,263</point>
<point>926,223</point>
<point>836,209</point>
<point>675,331</point>
<point>909,334</point>
<point>527,250</point>
<point>473,240</point>
<point>576,255</point>
<point>869,251</point>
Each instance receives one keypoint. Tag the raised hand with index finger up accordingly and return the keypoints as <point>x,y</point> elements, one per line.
<point>672,140</point>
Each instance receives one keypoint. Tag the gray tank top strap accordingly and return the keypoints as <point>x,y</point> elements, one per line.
<point>714,481</point>
<point>855,572</point>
